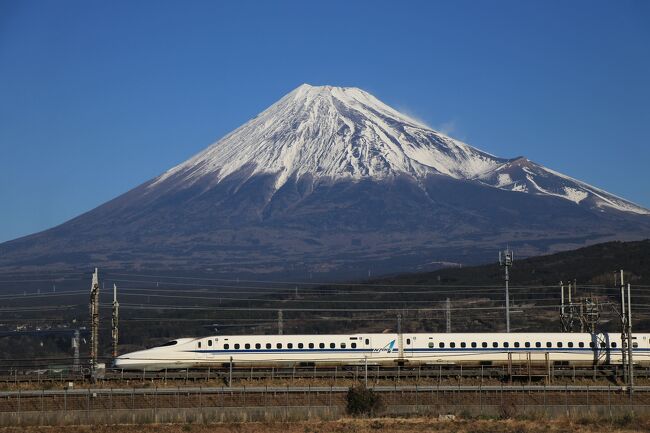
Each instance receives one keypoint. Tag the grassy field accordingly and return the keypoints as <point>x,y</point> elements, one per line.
<point>616,425</point>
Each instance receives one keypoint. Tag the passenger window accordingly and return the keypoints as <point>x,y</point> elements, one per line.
<point>463,344</point>
<point>473,343</point>
<point>591,344</point>
<point>321,345</point>
<point>581,344</point>
<point>549,344</point>
<point>559,344</point>
<point>354,345</point>
<point>209,342</point>
<point>538,344</point>
<point>258,346</point>
<point>342,345</point>
<point>603,344</point>
<point>311,345</point>
<point>506,344</point>
<point>278,345</point>
<point>441,345</point>
<point>452,344</point>
<point>635,344</point>
<point>247,346</point>
<point>408,341</point>
<point>613,344</point>
<point>527,344</point>
<point>226,346</point>
<point>332,345</point>
<point>289,345</point>
<point>430,344</point>
<point>367,341</point>
<point>495,344</point>
<point>236,346</point>
<point>516,344</point>
<point>300,345</point>
<point>570,344</point>
<point>268,345</point>
<point>484,344</point>
<point>199,344</point>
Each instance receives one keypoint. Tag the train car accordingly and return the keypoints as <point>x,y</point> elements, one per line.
<point>384,349</point>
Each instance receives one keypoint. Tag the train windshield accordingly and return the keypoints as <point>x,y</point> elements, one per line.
<point>170,343</point>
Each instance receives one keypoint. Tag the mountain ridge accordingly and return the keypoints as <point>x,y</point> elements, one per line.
<point>331,180</point>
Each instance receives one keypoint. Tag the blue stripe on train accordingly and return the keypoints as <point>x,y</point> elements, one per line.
<point>425,350</point>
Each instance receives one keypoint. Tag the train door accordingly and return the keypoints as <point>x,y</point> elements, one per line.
<point>366,344</point>
<point>408,346</point>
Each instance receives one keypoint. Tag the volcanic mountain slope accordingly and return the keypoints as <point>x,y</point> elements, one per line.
<point>332,180</point>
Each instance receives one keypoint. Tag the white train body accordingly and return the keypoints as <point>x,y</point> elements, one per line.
<point>383,349</point>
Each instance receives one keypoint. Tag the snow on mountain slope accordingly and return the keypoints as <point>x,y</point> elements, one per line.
<point>523,175</point>
<point>346,133</point>
<point>334,132</point>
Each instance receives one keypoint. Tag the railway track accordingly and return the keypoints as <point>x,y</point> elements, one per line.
<point>331,373</point>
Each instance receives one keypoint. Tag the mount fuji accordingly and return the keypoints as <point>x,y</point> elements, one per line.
<point>331,180</point>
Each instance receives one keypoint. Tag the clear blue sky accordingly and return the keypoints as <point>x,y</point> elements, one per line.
<point>97,97</point>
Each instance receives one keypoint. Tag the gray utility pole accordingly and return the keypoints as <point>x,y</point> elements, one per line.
<point>75,348</point>
<point>94,321</point>
<point>115,322</point>
<point>630,341</point>
<point>505,260</point>
<point>400,338</point>
<point>448,314</point>
<point>623,329</point>
<point>280,324</point>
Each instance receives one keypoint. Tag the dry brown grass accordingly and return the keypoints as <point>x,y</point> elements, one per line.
<point>377,425</point>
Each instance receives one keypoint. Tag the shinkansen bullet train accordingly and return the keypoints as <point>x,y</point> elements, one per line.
<point>383,349</point>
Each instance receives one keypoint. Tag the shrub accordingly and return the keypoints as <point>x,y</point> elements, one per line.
<point>363,401</point>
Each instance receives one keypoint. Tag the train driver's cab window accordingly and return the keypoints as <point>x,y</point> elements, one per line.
<point>484,344</point>
<point>311,345</point>
<point>226,346</point>
<point>209,342</point>
<point>321,345</point>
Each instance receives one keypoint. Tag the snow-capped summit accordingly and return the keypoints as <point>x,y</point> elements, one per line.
<point>335,133</point>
